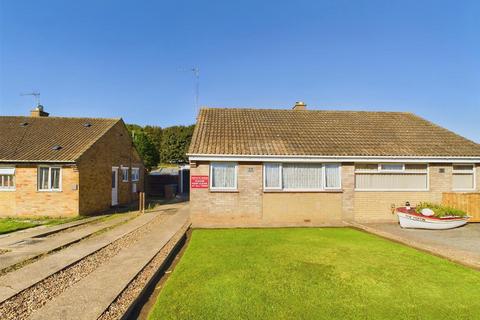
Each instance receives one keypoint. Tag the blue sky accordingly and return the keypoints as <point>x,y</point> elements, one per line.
<point>130,58</point>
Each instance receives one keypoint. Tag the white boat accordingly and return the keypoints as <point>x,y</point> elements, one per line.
<point>409,218</point>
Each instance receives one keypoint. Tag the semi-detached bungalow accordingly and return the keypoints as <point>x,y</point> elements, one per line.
<point>54,166</point>
<point>272,167</point>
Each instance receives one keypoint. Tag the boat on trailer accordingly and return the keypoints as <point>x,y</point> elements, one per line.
<point>409,218</point>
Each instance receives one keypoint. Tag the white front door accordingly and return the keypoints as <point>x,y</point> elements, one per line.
<point>114,186</point>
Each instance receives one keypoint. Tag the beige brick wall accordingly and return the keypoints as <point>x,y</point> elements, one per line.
<point>348,196</point>
<point>228,208</point>
<point>114,149</point>
<point>251,206</point>
<point>7,203</point>
<point>26,200</point>
<point>302,208</point>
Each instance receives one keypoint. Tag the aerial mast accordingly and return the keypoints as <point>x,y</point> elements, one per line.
<point>35,94</point>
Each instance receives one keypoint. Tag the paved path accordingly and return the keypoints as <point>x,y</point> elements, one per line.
<point>32,247</point>
<point>91,296</point>
<point>461,245</point>
<point>41,231</point>
<point>23,278</point>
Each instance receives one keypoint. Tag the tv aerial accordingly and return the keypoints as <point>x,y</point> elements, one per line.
<point>35,94</point>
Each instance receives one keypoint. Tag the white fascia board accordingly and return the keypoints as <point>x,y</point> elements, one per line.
<point>37,161</point>
<point>289,158</point>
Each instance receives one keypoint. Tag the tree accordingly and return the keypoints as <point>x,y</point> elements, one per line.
<point>147,149</point>
<point>175,143</point>
<point>155,134</point>
<point>171,144</point>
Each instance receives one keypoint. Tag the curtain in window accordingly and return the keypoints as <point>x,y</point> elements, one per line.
<point>332,176</point>
<point>223,175</point>
<point>6,181</point>
<point>302,176</point>
<point>55,180</point>
<point>387,181</point>
<point>462,181</point>
<point>135,174</point>
<point>43,178</point>
<point>272,175</point>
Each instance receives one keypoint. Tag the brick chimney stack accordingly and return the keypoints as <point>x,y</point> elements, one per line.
<point>299,105</point>
<point>38,112</point>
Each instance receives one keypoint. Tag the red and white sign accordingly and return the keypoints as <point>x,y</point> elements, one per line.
<point>199,182</point>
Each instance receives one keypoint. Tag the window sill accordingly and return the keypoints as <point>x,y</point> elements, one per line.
<point>223,191</point>
<point>55,191</point>
<point>304,191</point>
<point>7,190</point>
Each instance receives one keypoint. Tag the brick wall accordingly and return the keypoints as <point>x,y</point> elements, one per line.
<point>114,149</point>
<point>26,200</point>
<point>348,196</point>
<point>252,206</point>
<point>228,208</point>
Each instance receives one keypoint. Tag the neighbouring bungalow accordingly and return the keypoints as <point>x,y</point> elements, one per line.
<point>272,167</point>
<point>55,166</point>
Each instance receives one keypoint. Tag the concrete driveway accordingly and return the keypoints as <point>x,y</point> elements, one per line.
<point>461,245</point>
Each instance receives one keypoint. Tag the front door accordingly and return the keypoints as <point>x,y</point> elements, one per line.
<point>114,186</point>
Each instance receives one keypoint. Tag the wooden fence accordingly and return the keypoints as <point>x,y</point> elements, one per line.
<point>468,202</point>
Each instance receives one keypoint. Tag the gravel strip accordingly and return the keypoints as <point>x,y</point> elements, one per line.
<point>26,302</point>
<point>120,305</point>
<point>42,255</point>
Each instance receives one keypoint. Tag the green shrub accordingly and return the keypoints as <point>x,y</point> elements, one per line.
<point>439,210</point>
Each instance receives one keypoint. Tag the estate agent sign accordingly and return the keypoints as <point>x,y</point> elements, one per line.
<point>199,182</point>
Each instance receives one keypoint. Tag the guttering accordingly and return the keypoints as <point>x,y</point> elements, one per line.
<point>37,161</point>
<point>294,158</point>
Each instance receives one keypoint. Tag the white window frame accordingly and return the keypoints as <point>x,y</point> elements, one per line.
<point>2,189</point>
<point>122,168</point>
<point>235,178</point>
<point>137,178</point>
<point>403,171</point>
<point>321,189</point>
<point>473,172</point>
<point>280,177</point>
<point>391,170</point>
<point>59,189</point>
<point>324,176</point>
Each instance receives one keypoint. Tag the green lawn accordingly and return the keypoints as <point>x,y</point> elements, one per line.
<point>14,224</point>
<point>313,273</point>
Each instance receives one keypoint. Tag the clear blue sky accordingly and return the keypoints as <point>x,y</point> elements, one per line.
<point>128,58</point>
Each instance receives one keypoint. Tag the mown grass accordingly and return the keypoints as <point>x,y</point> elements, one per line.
<point>14,224</point>
<point>313,273</point>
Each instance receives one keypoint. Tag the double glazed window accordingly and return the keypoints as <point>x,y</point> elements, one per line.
<point>463,177</point>
<point>301,176</point>
<point>135,174</point>
<point>223,176</point>
<point>391,176</point>
<point>7,178</point>
<point>49,179</point>
<point>125,174</point>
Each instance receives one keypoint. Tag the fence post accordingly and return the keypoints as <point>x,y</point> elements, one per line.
<point>141,202</point>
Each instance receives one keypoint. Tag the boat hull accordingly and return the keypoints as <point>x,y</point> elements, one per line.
<point>418,222</point>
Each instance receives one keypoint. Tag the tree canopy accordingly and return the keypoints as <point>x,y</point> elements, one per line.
<point>158,145</point>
